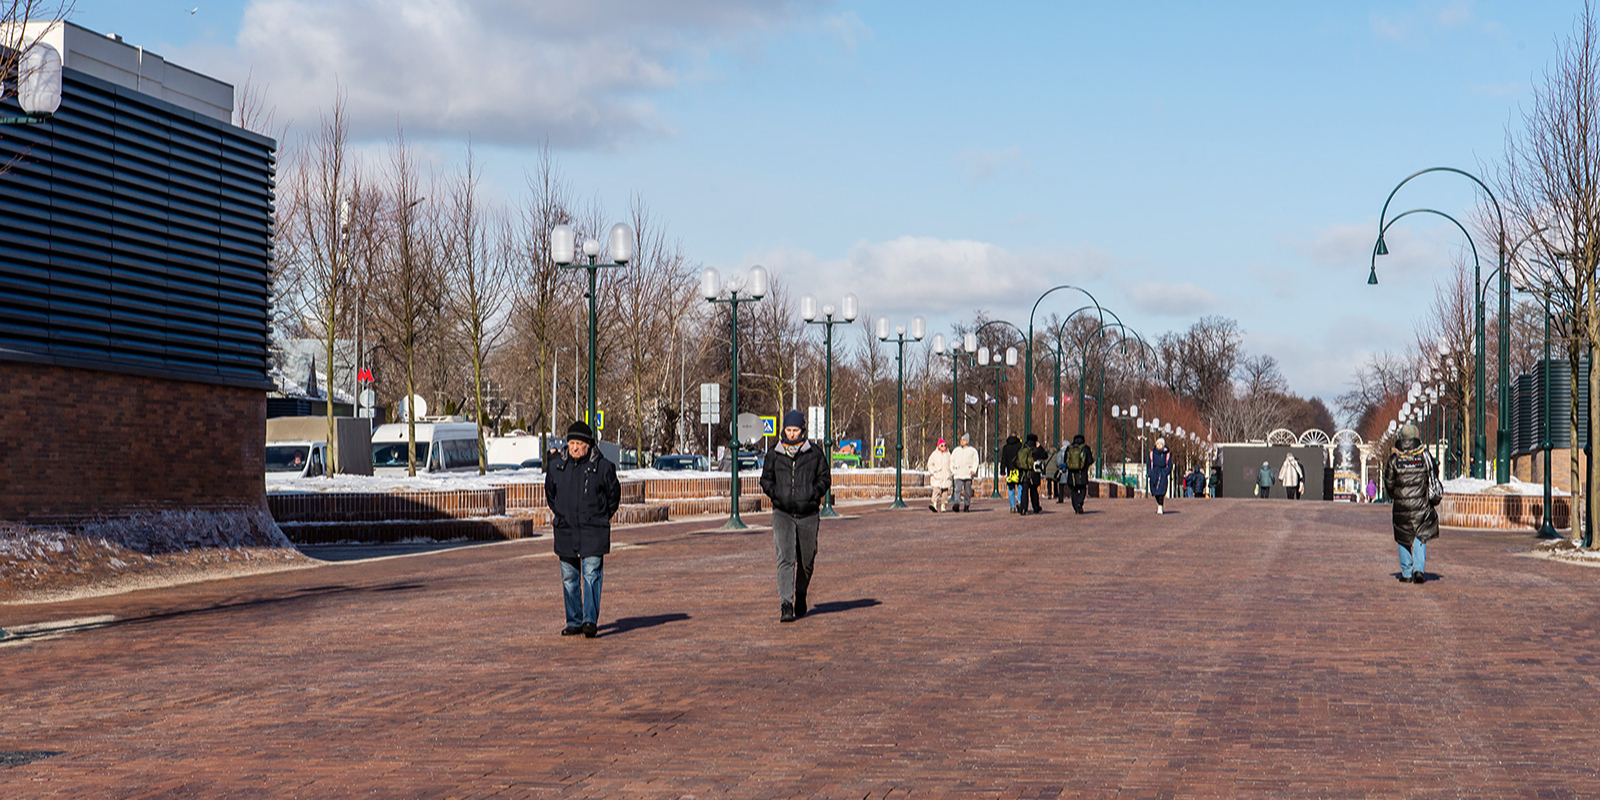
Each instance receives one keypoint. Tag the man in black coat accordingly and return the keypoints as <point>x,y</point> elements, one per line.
<point>1409,473</point>
<point>1075,463</point>
<point>796,478</point>
<point>583,493</point>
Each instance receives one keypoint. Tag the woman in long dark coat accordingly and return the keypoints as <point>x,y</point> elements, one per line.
<point>1159,468</point>
<point>1407,474</point>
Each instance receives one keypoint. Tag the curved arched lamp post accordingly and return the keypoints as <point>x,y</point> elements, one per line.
<point>1480,443</point>
<point>619,246</point>
<point>848,308</point>
<point>752,289</point>
<point>997,367</point>
<point>1027,367</point>
<point>1502,438</point>
<point>1059,351</point>
<point>919,328</point>
<point>967,347</point>
<point>1083,367</point>
<point>38,82</point>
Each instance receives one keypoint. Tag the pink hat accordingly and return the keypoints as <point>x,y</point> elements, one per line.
<point>941,441</point>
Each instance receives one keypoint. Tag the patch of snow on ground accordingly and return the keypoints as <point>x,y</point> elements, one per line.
<point>1465,485</point>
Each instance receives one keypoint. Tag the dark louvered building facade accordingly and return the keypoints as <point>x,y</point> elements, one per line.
<point>135,243</point>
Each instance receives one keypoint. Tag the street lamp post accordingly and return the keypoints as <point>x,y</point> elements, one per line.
<point>967,346</point>
<point>1502,437</point>
<point>998,368</point>
<point>1128,415</point>
<point>848,309</point>
<point>619,246</point>
<point>918,329</point>
<point>753,288</point>
<point>38,86</point>
<point>1027,380</point>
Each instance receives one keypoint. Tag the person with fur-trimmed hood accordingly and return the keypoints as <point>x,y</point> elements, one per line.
<point>1414,488</point>
<point>796,478</point>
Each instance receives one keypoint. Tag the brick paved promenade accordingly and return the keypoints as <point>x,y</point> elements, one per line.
<point>1234,649</point>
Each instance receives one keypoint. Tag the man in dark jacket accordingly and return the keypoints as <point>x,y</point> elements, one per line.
<point>1007,466</point>
<point>796,478</point>
<point>583,493</point>
<point>1075,463</point>
<point>1408,474</point>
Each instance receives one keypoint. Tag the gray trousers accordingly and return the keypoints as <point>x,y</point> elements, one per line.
<point>796,542</point>
<point>963,493</point>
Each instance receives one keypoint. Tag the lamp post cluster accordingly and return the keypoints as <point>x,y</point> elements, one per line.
<point>998,367</point>
<point>1479,436</point>
<point>619,246</point>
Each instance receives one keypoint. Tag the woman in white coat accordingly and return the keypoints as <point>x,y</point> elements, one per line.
<point>1292,476</point>
<point>939,476</point>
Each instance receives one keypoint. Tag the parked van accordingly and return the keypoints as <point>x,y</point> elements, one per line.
<point>297,459</point>
<point>518,451</point>
<point>441,447</point>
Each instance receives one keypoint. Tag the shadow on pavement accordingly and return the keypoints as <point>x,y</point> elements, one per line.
<point>843,605</point>
<point>635,623</point>
<point>361,552</point>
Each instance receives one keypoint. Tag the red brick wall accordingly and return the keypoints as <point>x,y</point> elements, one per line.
<point>76,444</point>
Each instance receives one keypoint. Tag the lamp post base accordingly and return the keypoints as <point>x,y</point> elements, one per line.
<point>1548,532</point>
<point>898,503</point>
<point>827,511</point>
<point>734,524</point>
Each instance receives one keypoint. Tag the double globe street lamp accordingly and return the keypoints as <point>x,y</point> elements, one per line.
<point>749,290</point>
<point>998,368</point>
<point>918,328</point>
<point>964,349</point>
<point>848,308</point>
<point>619,246</point>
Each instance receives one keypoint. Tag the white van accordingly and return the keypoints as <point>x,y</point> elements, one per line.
<point>517,451</point>
<point>441,447</point>
<point>297,459</point>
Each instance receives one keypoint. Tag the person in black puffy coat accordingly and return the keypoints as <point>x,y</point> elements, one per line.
<point>796,478</point>
<point>1158,469</point>
<point>1408,473</point>
<point>583,493</point>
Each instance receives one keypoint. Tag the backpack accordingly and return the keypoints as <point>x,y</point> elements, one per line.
<point>1024,461</point>
<point>1076,458</point>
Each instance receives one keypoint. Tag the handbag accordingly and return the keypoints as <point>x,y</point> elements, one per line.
<point>1435,487</point>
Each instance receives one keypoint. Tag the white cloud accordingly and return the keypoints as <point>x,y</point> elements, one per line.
<point>511,71</point>
<point>1173,299</point>
<point>1425,249</point>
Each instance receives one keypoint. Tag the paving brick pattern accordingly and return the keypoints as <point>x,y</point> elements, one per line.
<point>1235,648</point>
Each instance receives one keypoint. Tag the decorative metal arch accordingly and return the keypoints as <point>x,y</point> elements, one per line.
<point>1281,437</point>
<point>1314,436</point>
<point>1348,436</point>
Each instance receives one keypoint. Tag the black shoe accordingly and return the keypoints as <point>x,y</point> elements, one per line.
<point>786,614</point>
<point>572,630</point>
<point>799,609</point>
<point>1416,577</point>
<point>931,508</point>
<point>589,630</point>
<point>1405,578</point>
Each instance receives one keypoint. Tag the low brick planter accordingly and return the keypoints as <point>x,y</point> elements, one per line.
<point>487,529</point>
<point>290,507</point>
<point>699,506</point>
<point>1502,511</point>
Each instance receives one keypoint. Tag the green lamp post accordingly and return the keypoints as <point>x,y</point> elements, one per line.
<point>918,329</point>
<point>733,293</point>
<point>1027,368</point>
<point>1502,434</point>
<point>38,88</point>
<point>998,368</point>
<point>963,350</point>
<point>619,246</point>
<point>848,308</point>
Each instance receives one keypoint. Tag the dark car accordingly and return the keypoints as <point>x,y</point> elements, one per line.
<point>678,462</point>
<point>747,461</point>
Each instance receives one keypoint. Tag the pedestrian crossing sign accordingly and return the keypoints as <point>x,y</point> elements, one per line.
<point>877,452</point>
<point>769,426</point>
<point>599,420</point>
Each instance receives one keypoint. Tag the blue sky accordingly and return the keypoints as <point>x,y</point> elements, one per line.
<point>1176,159</point>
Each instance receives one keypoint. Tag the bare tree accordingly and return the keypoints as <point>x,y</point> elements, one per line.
<point>478,279</point>
<point>409,277</point>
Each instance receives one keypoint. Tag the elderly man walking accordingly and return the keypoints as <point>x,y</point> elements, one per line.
<point>796,478</point>
<point>963,466</point>
<point>583,493</point>
<point>939,476</point>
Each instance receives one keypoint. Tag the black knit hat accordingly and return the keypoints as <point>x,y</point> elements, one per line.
<point>581,431</point>
<point>794,418</point>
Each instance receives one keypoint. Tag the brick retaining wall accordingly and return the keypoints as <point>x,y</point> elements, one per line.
<point>380,506</point>
<point>1502,512</point>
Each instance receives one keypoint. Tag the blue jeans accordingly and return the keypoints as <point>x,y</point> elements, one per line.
<point>1013,494</point>
<point>1412,558</point>
<point>582,607</point>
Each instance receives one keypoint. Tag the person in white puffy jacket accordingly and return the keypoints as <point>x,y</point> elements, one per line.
<point>939,476</point>
<point>963,467</point>
<point>1292,476</point>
